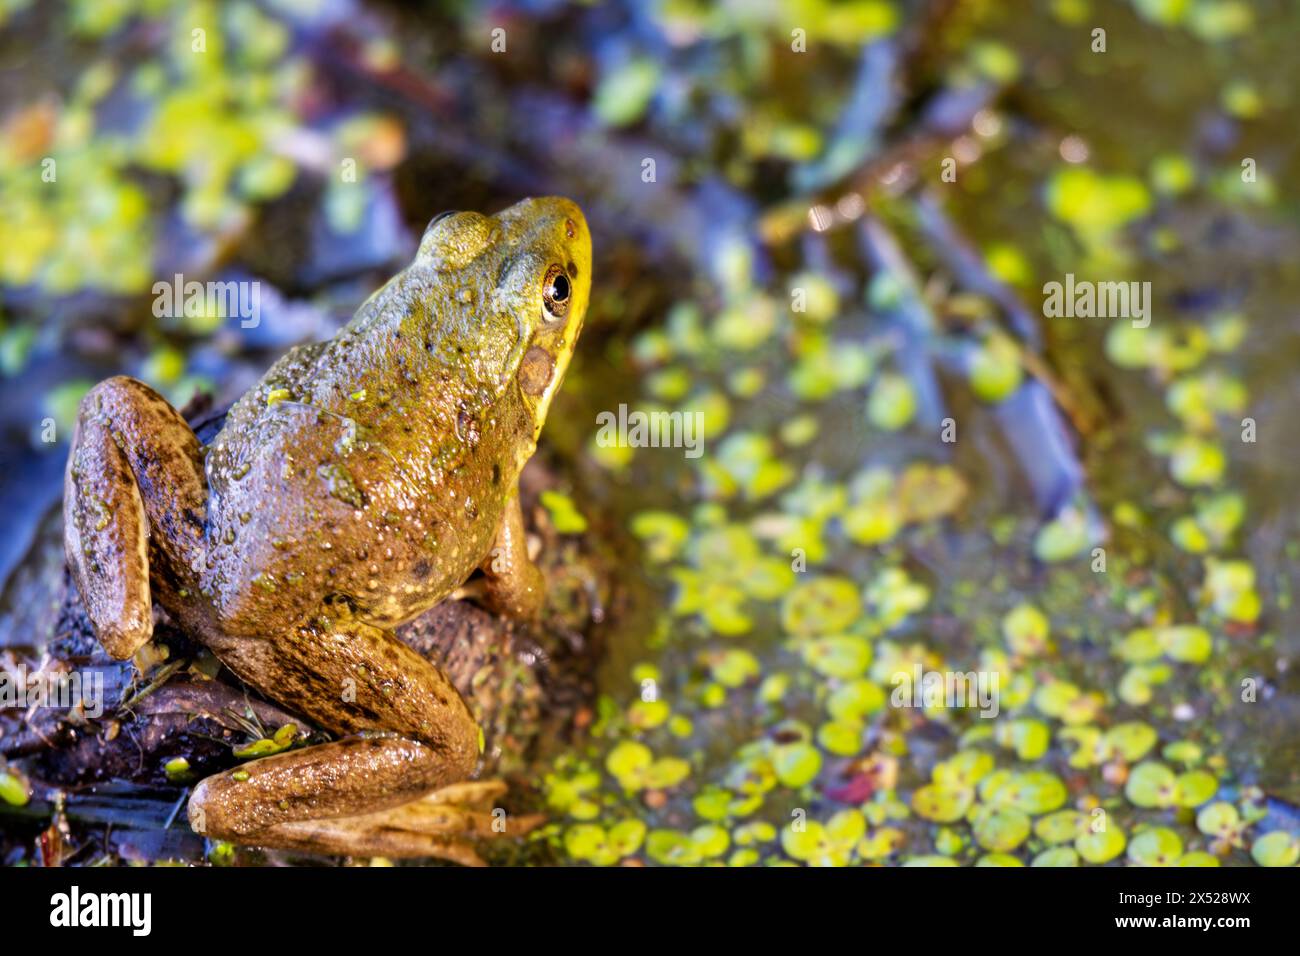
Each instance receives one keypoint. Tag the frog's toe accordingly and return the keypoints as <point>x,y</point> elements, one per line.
<point>469,793</point>
<point>470,809</point>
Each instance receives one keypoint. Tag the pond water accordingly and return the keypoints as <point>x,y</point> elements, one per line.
<point>895,477</point>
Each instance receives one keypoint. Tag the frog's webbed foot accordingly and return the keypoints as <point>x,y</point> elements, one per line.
<point>446,824</point>
<point>512,584</point>
<point>298,801</point>
<point>133,491</point>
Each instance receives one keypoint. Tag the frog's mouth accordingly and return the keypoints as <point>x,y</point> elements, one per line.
<point>561,365</point>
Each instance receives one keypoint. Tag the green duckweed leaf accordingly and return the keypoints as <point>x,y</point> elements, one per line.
<point>1033,791</point>
<point>942,804</point>
<point>855,700</point>
<point>1100,847</point>
<point>842,738</point>
<point>1158,846</point>
<point>734,668</point>
<point>796,764</point>
<point>1194,788</point>
<point>590,842</point>
<point>892,404</point>
<point>1025,628</point>
<point>814,845</point>
<point>663,534</point>
<point>626,836</point>
<point>1218,819</point>
<point>823,605</point>
<point>838,656</point>
<point>711,840</point>
<point>1188,644</point>
<point>628,758</point>
<point>1060,827</point>
<point>1278,848</point>
<point>995,371</point>
<point>1029,738</point>
<point>1151,784</point>
<point>1056,856</point>
<point>672,847</point>
<point>1063,538</point>
<point>666,772</point>
<point>624,94</point>
<point>964,769</point>
<point>1000,829</point>
<point>14,789</point>
<point>882,843</point>
<point>1132,741</point>
<point>1197,462</point>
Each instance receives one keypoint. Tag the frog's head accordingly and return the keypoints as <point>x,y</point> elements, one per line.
<point>536,256</point>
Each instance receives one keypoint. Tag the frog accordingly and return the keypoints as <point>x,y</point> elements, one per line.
<point>359,483</point>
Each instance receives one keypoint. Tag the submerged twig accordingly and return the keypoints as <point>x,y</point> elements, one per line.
<point>971,270</point>
<point>948,115</point>
<point>916,324</point>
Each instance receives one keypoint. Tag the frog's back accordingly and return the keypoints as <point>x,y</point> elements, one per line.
<point>378,465</point>
<point>384,487</point>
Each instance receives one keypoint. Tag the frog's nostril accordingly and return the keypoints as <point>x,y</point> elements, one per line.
<point>570,228</point>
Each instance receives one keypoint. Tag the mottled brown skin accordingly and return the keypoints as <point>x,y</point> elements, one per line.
<point>356,486</point>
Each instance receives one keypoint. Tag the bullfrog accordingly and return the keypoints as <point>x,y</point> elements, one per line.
<point>362,481</point>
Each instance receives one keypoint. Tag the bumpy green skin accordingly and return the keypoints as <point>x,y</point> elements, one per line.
<point>360,483</point>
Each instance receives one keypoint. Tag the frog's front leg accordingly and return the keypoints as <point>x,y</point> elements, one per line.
<point>134,502</point>
<point>512,584</point>
<point>376,792</point>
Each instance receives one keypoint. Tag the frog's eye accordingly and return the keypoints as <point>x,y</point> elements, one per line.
<point>556,292</point>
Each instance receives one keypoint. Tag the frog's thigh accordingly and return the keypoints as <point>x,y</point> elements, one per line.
<point>349,677</point>
<point>513,584</point>
<point>134,480</point>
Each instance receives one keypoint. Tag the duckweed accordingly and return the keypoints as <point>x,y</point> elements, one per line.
<point>1158,846</point>
<point>1100,846</point>
<point>1278,848</point>
<point>14,790</point>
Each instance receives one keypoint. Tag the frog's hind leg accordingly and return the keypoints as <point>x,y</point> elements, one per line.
<point>445,824</point>
<point>134,500</point>
<point>364,796</point>
<point>393,786</point>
